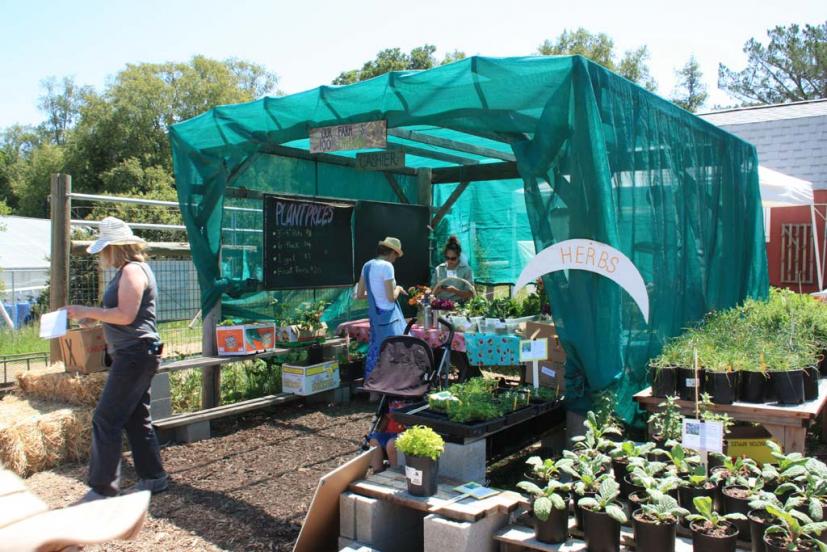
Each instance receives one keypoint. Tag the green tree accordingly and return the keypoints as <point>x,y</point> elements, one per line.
<point>690,92</point>
<point>61,103</point>
<point>791,67</point>
<point>394,59</point>
<point>600,48</point>
<point>31,179</point>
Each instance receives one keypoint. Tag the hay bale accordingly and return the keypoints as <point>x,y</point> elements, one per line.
<point>36,436</point>
<point>78,389</point>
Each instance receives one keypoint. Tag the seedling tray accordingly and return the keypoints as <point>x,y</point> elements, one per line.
<point>439,422</point>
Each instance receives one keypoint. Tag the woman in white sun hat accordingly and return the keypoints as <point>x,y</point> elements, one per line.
<point>378,283</point>
<point>129,325</point>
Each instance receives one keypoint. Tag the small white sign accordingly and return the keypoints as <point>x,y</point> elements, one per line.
<point>53,324</point>
<point>691,382</point>
<point>548,371</point>
<point>413,475</point>
<point>700,436</point>
<point>533,349</point>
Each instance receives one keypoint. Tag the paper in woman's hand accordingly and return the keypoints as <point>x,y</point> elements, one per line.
<point>53,324</point>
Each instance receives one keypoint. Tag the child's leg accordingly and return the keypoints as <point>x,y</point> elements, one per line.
<point>377,461</point>
<point>391,450</point>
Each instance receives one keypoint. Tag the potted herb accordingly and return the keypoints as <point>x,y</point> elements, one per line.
<point>760,518</point>
<point>692,486</point>
<point>642,473</point>
<point>422,447</point>
<point>793,531</point>
<point>550,510</point>
<point>664,373</point>
<point>754,382</point>
<point>785,471</point>
<point>736,498</point>
<point>722,380</point>
<point>667,423</point>
<point>587,473</point>
<point>652,486</point>
<point>602,517</point>
<point>623,453</point>
<point>543,471</point>
<point>712,532</point>
<point>678,460</point>
<point>788,379</point>
<point>655,523</point>
<point>596,440</point>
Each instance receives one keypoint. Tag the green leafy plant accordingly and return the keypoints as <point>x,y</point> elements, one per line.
<point>661,509</point>
<point>679,460</point>
<point>732,468</point>
<point>667,423</point>
<point>475,306</point>
<point>605,500</point>
<point>420,441</point>
<point>553,495</point>
<point>502,308</point>
<point>543,470</point>
<point>629,449</point>
<point>795,531</point>
<point>594,438</point>
<point>709,518</point>
<point>586,471</point>
<point>307,316</point>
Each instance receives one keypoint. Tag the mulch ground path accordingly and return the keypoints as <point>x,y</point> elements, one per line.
<point>247,488</point>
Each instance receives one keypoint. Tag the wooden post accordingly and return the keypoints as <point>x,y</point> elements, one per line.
<point>211,375</point>
<point>59,271</point>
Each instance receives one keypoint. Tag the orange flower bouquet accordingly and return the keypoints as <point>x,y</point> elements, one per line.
<point>418,295</point>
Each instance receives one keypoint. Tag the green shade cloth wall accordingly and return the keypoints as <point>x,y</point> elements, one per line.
<point>598,158</point>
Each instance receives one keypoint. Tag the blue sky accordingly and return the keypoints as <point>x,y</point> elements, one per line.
<point>307,43</point>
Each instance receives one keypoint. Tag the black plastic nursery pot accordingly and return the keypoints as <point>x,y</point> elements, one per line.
<point>633,487</point>
<point>772,543</point>
<point>789,386</point>
<point>421,473</point>
<point>722,386</point>
<point>688,384</point>
<point>619,466</point>
<point>555,529</point>
<point>754,386</point>
<point>600,531</point>
<point>822,362</point>
<point>759,520</point>
<point>653,537</point>
<point>686,495</point>
<point>578,511</point>
<point>810,383</point>
<point>664,381</point>
<point>725,542</point>
<point>736,501</point>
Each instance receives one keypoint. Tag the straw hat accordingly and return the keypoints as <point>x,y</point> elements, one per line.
<point>113,231</point>
<point>393,243</point>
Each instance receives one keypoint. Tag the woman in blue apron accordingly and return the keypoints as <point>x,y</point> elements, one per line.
<point>378,284</point>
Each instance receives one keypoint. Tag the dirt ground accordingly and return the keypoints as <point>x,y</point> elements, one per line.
<point>247,488</point>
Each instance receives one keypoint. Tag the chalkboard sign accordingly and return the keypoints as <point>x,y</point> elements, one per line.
<point>307,244</point>
<point>409,223</point>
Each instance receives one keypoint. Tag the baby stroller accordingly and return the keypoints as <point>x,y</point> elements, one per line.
<point>406,369</point>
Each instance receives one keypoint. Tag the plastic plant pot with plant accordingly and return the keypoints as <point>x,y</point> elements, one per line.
<point>422,447</point>
<point>550,510</point>
<point>694,485</point>
<point>664,380</point>
<point>602,518</point>
<point>655,523</point>
<point>711,531</point>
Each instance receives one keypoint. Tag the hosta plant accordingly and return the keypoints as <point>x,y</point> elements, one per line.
<point>553,495</point>
<point>605,500</point>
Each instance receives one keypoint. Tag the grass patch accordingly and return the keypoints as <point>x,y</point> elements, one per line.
<point>24,340</point>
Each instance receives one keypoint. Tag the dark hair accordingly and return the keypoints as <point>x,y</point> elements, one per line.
<point>452,245</point>
<point>383,251</point>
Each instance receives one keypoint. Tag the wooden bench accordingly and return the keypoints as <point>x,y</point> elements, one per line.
<point>26,523</point>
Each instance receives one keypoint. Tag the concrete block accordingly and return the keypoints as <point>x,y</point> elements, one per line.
<point>348,545</point>
<point>463,462</point>
<point>159,388</point>
<point>388,526</point>
<point>442,534</point>
<point>193,432</point>
<point>347,515</point>
<point>160,408</point>
<point>325,397</point>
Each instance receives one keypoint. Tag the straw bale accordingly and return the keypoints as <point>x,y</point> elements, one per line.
<point>36,436</point>
<point>78,389</point>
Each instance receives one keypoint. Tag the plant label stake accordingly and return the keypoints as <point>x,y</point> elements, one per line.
<point>534,350</point>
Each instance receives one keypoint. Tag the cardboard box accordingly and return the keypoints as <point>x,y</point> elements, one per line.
<point>750,441</point>
<point>292,334</point>
<point>552,371</point>
<point>309,380</point>
<point>83,350</point>
<point>245,339</point>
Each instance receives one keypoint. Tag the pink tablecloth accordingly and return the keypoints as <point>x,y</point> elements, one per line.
<point>360,331</point>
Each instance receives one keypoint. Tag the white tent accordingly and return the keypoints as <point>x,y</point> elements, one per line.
<point>781,190</point>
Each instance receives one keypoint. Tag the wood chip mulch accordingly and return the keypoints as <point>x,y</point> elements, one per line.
<point>246,488</point>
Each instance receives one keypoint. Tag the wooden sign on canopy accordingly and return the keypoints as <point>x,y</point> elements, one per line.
<point>355,136</point>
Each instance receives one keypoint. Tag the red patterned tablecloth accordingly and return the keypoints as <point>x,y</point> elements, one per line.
<point>360,331</point>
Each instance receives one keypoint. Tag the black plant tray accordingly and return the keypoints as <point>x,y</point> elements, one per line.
<point>439,422</point>
<point>544,406</point>
<point>520,415</point>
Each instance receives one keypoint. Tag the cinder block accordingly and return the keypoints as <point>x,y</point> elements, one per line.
<point>342,395</point>
<point>387,526</point>
<point>161,408</point>
<point>193,432</point>
<point>325,397</point>
<point>348,545</point>
<point>347,515</point>
<point>442,534</point>
<point>159,389</point>
<point>463,462</point>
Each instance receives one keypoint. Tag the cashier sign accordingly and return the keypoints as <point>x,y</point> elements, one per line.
<point>591,256</point>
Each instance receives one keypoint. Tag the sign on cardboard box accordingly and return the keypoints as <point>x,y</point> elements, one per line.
<point>83,350</point>
<point>309,380</point>
<point>552,375</point>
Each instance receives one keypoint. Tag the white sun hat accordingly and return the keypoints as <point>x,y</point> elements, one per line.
<point>113,231</point>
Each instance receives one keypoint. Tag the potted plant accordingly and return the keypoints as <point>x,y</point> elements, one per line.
<point>712,532</point>
<point>754,381</point>
<point>596,440</point>
<point>602,517</point>
<point>623,453</point>
<point>788,379</point>
<point>664,372</point>
<point>550,510</point>
<point>667,423</point>
<point>641,472</point>
<point>655,523</point>
<point>736,497</point>
<point>722,379</point>
<point>422,447</point>
<point>587,473</point>
<point>543,471</point>
<point>694,485</point>
<point>786,469</point>
<point>665,484</point>
<point>793,531</point>
<point>678,460</point>
<point>760,518</point>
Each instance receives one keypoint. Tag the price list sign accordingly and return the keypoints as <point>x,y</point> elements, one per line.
<point>307,244</point>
